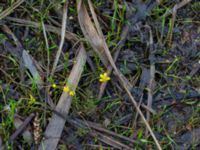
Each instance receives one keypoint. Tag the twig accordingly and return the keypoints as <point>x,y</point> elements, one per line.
<point>63,30</point>
<point>183,97</point>
<point>177,6</point>
<point>144,79</point>
<point>47,99</point>
<point>173,11</point>
<point>152,72</point>
<point>101,129</point>
<point>21,128</point>
<point>110,141</point>
<point>68,35</point>
<point>9,10</point>
<point>47,47</point>
<point>170,33</point>
<point>11,78</point>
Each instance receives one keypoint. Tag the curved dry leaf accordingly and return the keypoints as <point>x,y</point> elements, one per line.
<point>28,62</point>
<point>95,35</point>
<point>91,33</point>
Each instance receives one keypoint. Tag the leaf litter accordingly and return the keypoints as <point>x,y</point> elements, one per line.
<point>152,59</point>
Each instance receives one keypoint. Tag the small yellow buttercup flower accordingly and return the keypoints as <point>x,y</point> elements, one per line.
<point>54,86</point>
<point>66,89</point>
<point>32,100</point>
<point>71,93</point>
<point>104,77</point>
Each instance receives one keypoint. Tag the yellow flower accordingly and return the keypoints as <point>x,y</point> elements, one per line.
<point>71,93</point>
<point>32,100</point>
<point>66,89</point>
<point>54,86</point>
<point>104,77</point>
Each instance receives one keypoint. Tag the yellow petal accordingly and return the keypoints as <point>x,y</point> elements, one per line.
<point>32,99</point>
<point>101,80</point>
<point>54,85</point>
<point>108,78</point>
<point>71,93</point>
<point>66,89</point>
<point>104,77</point>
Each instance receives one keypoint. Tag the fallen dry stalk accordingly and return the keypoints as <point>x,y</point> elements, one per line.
<point>22,22</point>
<point>63,30</point>
<point>92,34</point>
<point>81,9</point>
<point>110,141</point>
<point>173,11</point>
<point>55,127</point>
<point>9,10</point>
<point>22,127</point>
<point>78,123</point>
<point>152,72</point>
